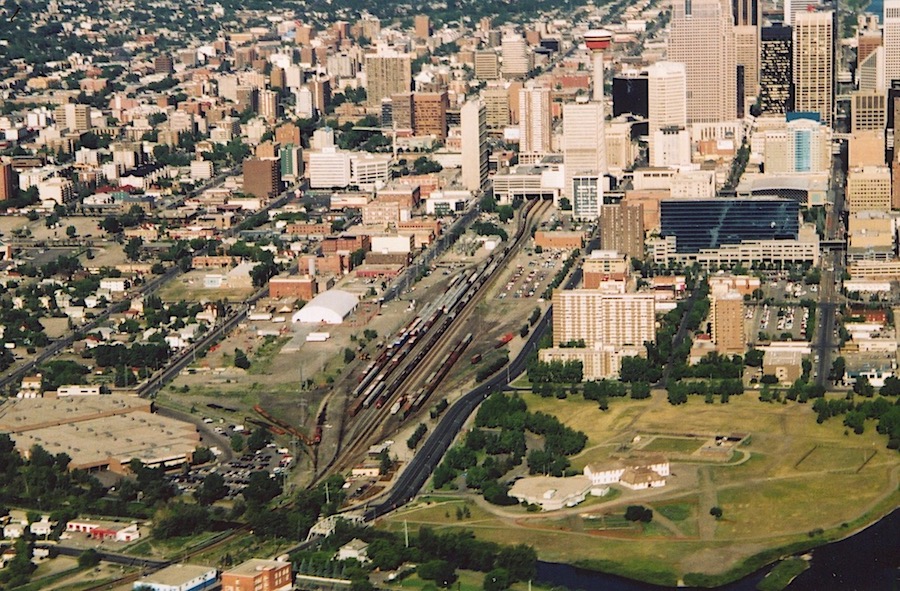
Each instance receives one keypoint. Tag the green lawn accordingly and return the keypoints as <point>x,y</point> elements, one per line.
<point>782,575</point>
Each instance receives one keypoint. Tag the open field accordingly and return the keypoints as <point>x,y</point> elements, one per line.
<point>793,484</point>
<point>678,445</point>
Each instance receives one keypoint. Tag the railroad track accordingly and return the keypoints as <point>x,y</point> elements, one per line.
<point>414,370</point>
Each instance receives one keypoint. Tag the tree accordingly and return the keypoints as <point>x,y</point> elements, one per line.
<point>496,580</point>
<point>716,512</point>
<point>440,571</point>
<point>89,558</point>
<point>212,489</point>
<point>240,359</point>
<point>237,443</point>
<point>261,488</point>
<point>863,387</point>
<point>519,561</point>
<point>133,249</point>
<point>638,513</point>
<point>838,368</point>
<point>259,439</point>
<point>565,204</point>
<point>71,231</point>
<point>505,212</point>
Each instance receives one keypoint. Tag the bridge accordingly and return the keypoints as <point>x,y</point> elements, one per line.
<point>325,527</point>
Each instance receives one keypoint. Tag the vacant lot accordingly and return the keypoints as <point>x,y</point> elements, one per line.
<point>792,476</point>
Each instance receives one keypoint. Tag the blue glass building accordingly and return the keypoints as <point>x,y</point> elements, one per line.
<point>699,224</point>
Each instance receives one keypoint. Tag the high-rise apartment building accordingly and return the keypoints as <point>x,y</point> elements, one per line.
<point>726,315</point>
<point>496,101</point>
<point>74,117</point>
<point>268,105</point>
<point>535,130</point>
<point>387,73</point>
<point>430,114</point>
<point>601,319</point>
<point>587,196</point>
<point>9,181</point>
<point>516,57</point>
<point>776,73</point>
<point>814,63</point>
<point>162,64</point>
<point>402,111</point>
<point>622,229</point>
<point>891,40</point>
<point>473,128</point>
<point>702,38</point>
<point>583,145</point>
<point>423,26</point>
<point>262,177</point>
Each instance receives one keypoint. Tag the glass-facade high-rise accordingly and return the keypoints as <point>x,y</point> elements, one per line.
<point>699,224</point>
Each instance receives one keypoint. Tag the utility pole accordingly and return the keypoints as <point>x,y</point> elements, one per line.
<point>406,532</point>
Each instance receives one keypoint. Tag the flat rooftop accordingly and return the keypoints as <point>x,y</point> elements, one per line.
<point>175,575</point>
<point>255,565</point>
<point>25,414</point>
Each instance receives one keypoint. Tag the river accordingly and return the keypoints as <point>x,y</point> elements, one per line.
<point>866,561</point>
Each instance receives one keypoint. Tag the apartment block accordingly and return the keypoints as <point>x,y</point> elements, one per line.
<point>596,317</point>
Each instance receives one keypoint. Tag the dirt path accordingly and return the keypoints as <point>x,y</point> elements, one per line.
<point>708,498</point>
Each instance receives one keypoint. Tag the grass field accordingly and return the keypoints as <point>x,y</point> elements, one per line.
<point>795,477</point>
<point>675,445</point>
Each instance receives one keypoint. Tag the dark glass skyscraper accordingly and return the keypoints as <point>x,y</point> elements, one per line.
<point>629,94</point>
<point>699,224</point>
<point>776,78</point>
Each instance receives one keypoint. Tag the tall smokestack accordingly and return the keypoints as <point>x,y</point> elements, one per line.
<point>597,41</point>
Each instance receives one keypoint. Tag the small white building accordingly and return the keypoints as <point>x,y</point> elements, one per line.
<point>355,549</point>
<point>114,284</point>
<point>178,577</point>
<point>78,390</point>
<point>551,493</point>
<point>329,307</point>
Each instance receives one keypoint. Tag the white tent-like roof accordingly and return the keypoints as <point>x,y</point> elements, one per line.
<point>329,307</point>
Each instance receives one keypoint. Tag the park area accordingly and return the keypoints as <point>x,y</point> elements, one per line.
<point>790,484</point>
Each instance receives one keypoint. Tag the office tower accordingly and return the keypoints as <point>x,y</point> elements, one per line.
<point>870,71</point>
<point>423,26</point>
<point>516,57</point>
<point>534,124</point>
<point>776,70</point>
<point>891,40</point>
<point>583,148</point>
<point>387,113</point>
<point>496,101</point>
<point>698,224</point>
<point>74,117</point>
<point>430,114</point>
<point>867,41</point>
<point>603,319</point>
<point>868,111</point>
<point>793,7</point>
<point>487,65</point>
<point>814,63</point>
<point>162,64</point>
<point>869,189</point>
<point>288,133</point>
<point>747,16</point>
<point>262,177</point>
<point>473,124</point>
<point>726,316</point>
<point>587,196</point>
<point>268,105</point>
<point>667,104</point>
<point>386,74</point>
<point>622,229</point>
<point>702,38</point>
<point>9,181</point>
<point>630,94</point>
<point>402,111</point>
<point>802,145</point>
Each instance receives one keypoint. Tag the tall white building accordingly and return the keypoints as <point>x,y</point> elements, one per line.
<point>667,114</point>
<point>702,37</point>
<point>535,131</point>
<point>891,40</point>
<point>516,58</point>
<point>473,128</point>
<point>583,142</point>
<point>814,63</point>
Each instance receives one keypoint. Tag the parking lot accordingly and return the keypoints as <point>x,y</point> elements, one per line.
<point>783,323</point>
<point>532,274</point>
